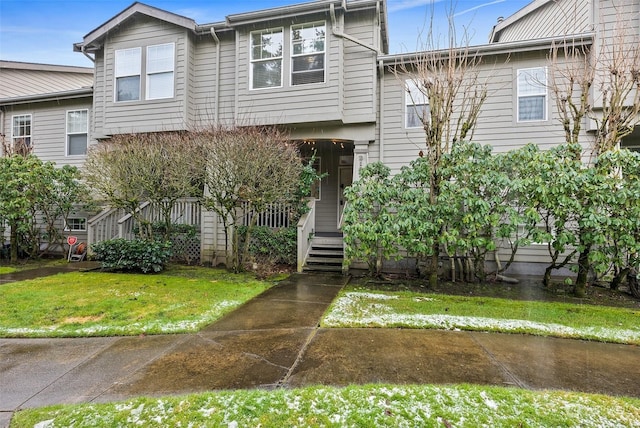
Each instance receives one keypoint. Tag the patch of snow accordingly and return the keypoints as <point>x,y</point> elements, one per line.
<point>44,424</point>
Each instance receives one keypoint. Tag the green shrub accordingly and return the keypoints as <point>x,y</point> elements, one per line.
<point>137,254</point>
<point>277,246</point>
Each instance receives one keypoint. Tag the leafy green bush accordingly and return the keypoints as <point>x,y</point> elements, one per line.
<point>137,254</point>
<point>271,245</point>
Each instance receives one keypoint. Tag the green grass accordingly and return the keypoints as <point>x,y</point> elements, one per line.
<point>354,406</point>
<point>181,299</point>
<point>369,308</point>
<point>7,269</point>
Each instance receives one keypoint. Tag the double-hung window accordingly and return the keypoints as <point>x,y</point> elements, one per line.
<point>416,105</point>
<point>77,132</point>
<point>307,53</point>
<point>21,132</point>
<point>128,64</point>
<point>266,58</point>
<point>76,224</point>
<point>532,94</point>
<point>160,67</point>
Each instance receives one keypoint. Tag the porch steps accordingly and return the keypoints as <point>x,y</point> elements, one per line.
<point>326,255</point>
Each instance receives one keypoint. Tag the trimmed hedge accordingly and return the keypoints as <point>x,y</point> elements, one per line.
<point>137,254</point>
<point>277,246</point>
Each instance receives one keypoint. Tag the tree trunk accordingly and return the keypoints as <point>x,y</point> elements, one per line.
<point>580,288</point>
<point>547,276</point>
<point>619,278</point>
<point>13,240</point>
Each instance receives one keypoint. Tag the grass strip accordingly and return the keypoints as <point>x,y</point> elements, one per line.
<point>367,308</point>
<point>353,406</point>
<point>78,304</point>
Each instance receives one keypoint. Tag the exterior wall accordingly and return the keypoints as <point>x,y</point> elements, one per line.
<point>48,128</point>
<point>497,123</point>
<point>553,19</point>
<point>144,115</point>
<point>314,102</point>
<point>359,63</point>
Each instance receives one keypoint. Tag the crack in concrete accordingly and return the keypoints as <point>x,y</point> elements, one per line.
<point>515,380</point>
<point>263,359</point>
<point>282,382</point>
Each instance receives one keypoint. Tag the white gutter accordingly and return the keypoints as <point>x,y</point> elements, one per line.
<point>336,32</point>
<point>217,84</point>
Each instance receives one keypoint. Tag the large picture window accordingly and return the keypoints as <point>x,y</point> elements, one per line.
<point>77,132</point>
<point>21,132</point>
<point>416,105</point>
<point>127,74</point>
<point>532,94</point>
<point>266,58</point>
<point>307,53</point>
<point>160,67</point>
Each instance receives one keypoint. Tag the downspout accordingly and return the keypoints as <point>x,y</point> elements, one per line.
<point>93,60</point>
<point>338,33</point>
<point>380,110</point>
<point>216,99</point>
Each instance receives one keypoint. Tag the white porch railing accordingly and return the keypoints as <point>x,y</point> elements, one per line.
<point>103,226</point>
<point>306,229</point>
<point>276,215</point>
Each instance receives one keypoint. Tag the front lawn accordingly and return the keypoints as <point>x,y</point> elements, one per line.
<point>354,406</point>
<point>366,307</point>
<point>178,300</point>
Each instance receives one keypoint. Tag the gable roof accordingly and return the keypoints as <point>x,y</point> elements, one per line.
<point>93,40</point>
<point>494,37</point>
<point>29,81</point>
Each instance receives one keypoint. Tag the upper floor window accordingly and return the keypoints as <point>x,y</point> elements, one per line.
<point>532,94</point>
<point>128,66</point>
<point>266,58</point>
<point>416,105</point>
<point>160,66</point>
<point>77,132</point>
<point>21,132</point>
<point>307,53</point>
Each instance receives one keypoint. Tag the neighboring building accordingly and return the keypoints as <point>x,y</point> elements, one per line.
<point>321,70</point>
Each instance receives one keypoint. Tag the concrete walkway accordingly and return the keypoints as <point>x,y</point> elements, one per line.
<point>274,341</point>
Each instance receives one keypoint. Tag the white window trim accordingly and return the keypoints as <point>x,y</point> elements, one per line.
<point>115,76</point>
<point>68,229</point>
<point>324,52</point>
<point>13,136</point>
<point>172,71</point>
<point>252,61</point>
<point>545,93</point>
<point>410,102</point>
<point>67,133</point>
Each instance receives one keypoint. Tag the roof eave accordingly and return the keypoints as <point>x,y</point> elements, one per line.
<point>54,96</point>
<point>582,39</point>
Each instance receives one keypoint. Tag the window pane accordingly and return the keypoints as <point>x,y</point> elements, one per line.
<point>414,113</point>
<point>308,62</point>
<point>266,44</point>
<point>267,74</point>
<point>308,38</point>
<point>531,108</point>
<point>128,88</point>
<point>160,58</point>
<point>305,77</point>
<point>128,62</point>
<point>77,144</point>
<point>77,121</point>
<point>532,81</point>
<point>160,86</point>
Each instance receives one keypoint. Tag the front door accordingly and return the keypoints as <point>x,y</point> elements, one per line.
<point>345,178</point>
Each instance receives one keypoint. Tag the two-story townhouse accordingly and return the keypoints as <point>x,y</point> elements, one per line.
<point>47,109</point>
<point>311,68</point>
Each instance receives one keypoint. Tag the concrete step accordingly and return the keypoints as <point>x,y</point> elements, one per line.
<point>327,241</point>
<point>327,252</point>
<point>322,268</point>
<point>324,260</point>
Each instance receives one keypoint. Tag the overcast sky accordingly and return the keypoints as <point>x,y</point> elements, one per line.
<point>44,31</point>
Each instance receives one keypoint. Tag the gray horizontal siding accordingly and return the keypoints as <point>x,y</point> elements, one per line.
<point>154,115</point>
<point>48,129</point>
<point>553,19</point>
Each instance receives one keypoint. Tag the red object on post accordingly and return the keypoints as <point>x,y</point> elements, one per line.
<point>71,240</point>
